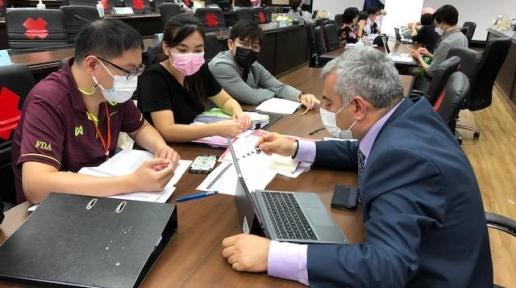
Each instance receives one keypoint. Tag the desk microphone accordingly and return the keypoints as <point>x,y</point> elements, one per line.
<point>81,18</point>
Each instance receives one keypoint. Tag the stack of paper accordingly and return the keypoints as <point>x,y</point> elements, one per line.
<point>126,162</point>
<point>278,106</point>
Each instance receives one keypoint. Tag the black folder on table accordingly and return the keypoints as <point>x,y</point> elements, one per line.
<point>79,241</point>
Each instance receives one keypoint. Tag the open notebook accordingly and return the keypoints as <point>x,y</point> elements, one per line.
<point>125,162</point>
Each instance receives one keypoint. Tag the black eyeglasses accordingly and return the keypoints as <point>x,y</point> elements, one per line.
<point>130,75</point>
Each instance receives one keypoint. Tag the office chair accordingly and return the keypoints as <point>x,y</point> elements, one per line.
<point>321,21</point>
<point>470,31</point>
<point>339,19</point>
<point>34,28</point>
<point>246,13</point>
<point>450,101</point>
<point>482,82</point>
<point>331,35</point>
<point>91,3</point>
<point>312,46</point>
<point>16,81</point>
<point>501,223</point>
<point>260,15</point>
<point>168,10</point>
<point>212,18</point>
<point>139,6</point>
<point>212,46</point>
<point>3,6</point>
<point>76,16</point>
<point>432,88</point>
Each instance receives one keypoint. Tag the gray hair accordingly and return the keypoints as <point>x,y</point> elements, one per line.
<point>366,72</point>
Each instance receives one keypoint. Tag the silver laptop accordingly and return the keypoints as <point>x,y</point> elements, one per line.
<point>401,38</point>
<point>298,217</point>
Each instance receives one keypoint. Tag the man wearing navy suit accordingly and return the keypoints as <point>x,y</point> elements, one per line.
<point>423,214</point>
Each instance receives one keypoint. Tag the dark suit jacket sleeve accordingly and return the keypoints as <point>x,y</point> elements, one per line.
<point>336,154</point>
<point>404,198</point>
<point>1,212</point>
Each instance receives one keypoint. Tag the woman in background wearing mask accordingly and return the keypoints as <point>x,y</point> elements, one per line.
<point>244,78</point>
<point>172,93</point>
<point>445,21</point>
<point>73,117</point>
<point>296,9</point>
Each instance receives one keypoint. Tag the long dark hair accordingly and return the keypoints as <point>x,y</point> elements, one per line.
<point>177,29</point>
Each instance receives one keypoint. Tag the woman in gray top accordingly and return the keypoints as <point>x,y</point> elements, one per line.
<point>246,80</point>
<point>445,21</point>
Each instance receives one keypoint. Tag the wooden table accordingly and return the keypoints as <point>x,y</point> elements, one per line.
<point>193,258</point>
<point>396,47</point>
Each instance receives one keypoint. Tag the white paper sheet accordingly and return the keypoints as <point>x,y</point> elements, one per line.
<point>127,161</point>
<point>278,106</point>
<point>224,178</point>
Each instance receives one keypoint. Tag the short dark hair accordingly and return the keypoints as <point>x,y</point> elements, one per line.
<point>179,27</point>
<point>427,19</point>
<point>373,10</point>
<point>349,14</point>
<point>107,38</point>
<point>362,15</point>
<point>447,14</point>
<point>295,3</point>
<point>245,29</point>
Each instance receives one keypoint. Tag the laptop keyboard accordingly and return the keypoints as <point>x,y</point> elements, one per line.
<point>287,217</point>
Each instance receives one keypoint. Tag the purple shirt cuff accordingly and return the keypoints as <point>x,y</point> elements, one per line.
<point>306,151</point>
<point>288,261</point>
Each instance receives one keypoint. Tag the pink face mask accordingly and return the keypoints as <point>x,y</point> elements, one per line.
<point>187,63</point>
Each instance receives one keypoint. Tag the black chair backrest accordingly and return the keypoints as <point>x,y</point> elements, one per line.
<point>456,90</point>
<point>3,7</point>
<point>168,10</point>
<point>260,15</point>
<point>470,31</point>
<point>76,16</point>
<point>79,2</point>
<point>34,28</point>
<point>246,13</point>
<point>139,6</point>
<point>321,21</point>
<point>332,36</point>
<point>16,81</point>
<point>320,41</point>
<point>339,19</point>
<point>440,77</point>
<point>492,60</point>
<point>212,46</point>
<point>469,61</point>
<point>211,18</point>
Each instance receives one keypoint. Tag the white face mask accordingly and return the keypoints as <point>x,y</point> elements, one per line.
<point>439,31</point>
<point>122,89</point>
<point>329,120</point>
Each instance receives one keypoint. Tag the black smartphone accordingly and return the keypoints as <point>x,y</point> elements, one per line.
<point>344,197</point>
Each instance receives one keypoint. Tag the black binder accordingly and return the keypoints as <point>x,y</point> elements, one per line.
<point>79,241</point>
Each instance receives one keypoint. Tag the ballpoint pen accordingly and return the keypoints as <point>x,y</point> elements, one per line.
<point>195,196</point>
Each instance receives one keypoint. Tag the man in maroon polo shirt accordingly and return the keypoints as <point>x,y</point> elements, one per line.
<point>72,119</point>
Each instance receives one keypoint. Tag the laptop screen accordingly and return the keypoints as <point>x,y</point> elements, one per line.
<point>246,207</point>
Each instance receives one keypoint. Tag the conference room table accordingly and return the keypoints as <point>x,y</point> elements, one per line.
<point>395,47</point>
<point>193,258</point>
